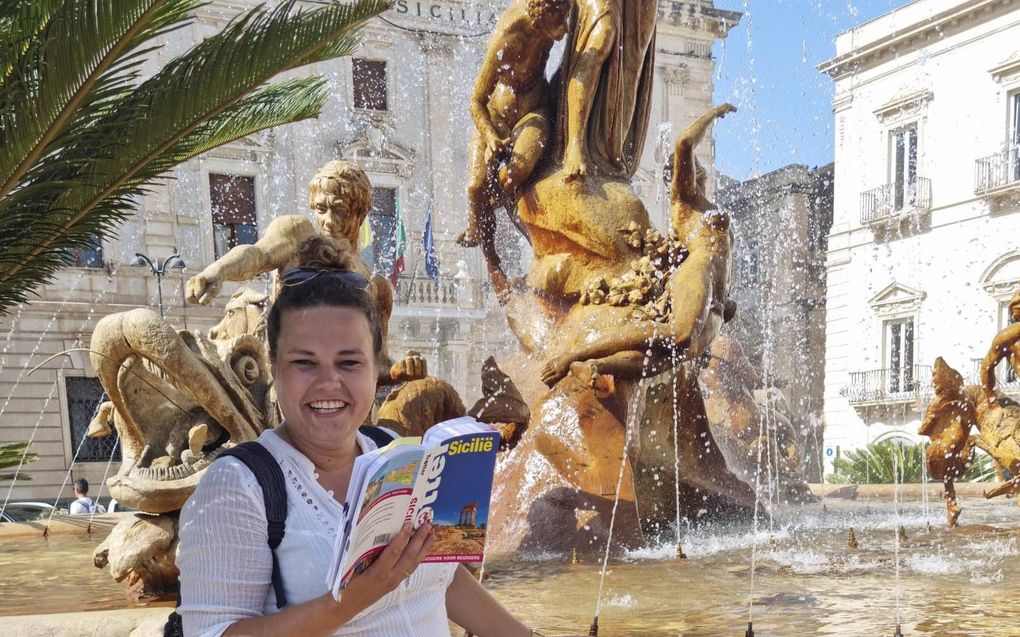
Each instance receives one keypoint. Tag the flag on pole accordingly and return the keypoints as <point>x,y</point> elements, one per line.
<point>400,241</point>
<point>429,243</point>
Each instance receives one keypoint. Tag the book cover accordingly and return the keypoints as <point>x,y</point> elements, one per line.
<point>445,478</point>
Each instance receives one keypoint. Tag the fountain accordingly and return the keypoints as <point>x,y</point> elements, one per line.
<point>632,433</point>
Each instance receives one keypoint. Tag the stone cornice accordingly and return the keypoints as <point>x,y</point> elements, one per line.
<point>903,39</point>
<point>1007,72</point>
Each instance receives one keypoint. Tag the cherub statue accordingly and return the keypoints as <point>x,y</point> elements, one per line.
<point>340,196</point>
<point>1006,344</point>
<point>697,286</point>
<point>948,421</point>
<point>512,111</point>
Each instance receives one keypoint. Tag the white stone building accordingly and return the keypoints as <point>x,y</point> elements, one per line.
<point>923,250</point>
<point>399,108</point>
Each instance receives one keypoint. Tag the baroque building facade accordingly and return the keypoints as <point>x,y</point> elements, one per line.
<point>399,109</point>
<point>781,221</point>
<point>922,255</point>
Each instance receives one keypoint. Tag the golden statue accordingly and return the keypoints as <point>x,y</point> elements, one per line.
<point>340,196</point>
<point>606,87</point>
<point>512,113</point>
<point>947,421</point>
<point>1006,344</point>
<point>697,270</point>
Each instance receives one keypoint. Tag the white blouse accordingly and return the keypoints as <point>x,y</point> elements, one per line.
<point>226,564</point>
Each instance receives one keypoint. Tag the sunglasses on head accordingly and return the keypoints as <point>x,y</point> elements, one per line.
<point>297,276</point>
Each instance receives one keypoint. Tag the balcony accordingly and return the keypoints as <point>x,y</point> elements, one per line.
<point>894,201</point>
<point>447,293</point>
<point>888,386</point>
<point>998,173</point>
<point>1006,381</point>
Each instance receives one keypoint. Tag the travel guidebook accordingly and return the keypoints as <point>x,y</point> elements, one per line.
<point>445,478</point>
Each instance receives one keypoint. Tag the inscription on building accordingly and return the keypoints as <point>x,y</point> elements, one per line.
<point>446,12</point>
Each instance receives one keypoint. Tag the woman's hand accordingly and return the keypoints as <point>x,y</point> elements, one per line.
<point>395,564</point>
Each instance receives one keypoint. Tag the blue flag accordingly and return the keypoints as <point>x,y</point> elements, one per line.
<point>429,243</point>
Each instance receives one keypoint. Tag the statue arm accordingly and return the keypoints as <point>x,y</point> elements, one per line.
<point>1002,344</point>
<point>244,262</point>
<point>685,186</point>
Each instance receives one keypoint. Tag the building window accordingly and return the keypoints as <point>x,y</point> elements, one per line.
<point>1014,136</point>
<point>904,166</point>
<point>899,348</point>
<point>370,84</point>
<point>233,211</point>
<point>1005,372</point>
<point>381,254</point>
<point>90,255</point>
<point>83,398</point>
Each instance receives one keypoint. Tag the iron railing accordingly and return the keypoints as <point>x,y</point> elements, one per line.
<point>998,170</point>
<point>1006,379</point>
<point>894,199</point>
<point>889,385</point>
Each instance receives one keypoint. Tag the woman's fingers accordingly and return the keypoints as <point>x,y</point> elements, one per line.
<point>415,550</point>
<point>389,556</point>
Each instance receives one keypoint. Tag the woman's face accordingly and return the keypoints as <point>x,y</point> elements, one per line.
<point>325,375</point>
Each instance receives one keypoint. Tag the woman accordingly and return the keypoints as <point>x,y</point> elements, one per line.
<point>324,343</point>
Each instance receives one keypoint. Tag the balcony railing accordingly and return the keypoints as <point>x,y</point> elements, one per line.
<point>997,171</point>
<point>890,385</point>
<point>446,292</point>
<point>1006,380</point>
<point>894,199</point>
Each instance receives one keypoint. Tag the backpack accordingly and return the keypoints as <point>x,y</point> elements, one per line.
<point>267,473</point>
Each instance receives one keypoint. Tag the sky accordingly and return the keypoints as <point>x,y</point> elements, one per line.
<point>766,68</point>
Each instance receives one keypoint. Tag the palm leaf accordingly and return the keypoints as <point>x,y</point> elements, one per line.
<point>56,75</point>
<point>212,94</point>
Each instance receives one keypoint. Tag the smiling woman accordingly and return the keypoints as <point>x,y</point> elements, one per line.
<point>324,342</point>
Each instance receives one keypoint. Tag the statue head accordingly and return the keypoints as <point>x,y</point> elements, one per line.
<point>550,17</point>
<point>340,195</point>
<point>945,380</point>
<point>244,314</point>
<point>1014,308</point>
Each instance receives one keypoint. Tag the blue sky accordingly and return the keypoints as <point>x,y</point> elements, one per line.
<point>766,68</point>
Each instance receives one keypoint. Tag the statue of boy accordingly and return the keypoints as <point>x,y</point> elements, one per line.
<point>511,109</point>
<point>340,196</point>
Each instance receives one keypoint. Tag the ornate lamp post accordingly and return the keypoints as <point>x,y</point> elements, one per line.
<point>159,269</point>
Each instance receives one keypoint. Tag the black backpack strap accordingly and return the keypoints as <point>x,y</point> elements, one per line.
<point>378,435</point>
<point>270,477</point>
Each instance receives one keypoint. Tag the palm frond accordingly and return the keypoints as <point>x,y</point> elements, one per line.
<point>119,138</point>
<point>53,78</point>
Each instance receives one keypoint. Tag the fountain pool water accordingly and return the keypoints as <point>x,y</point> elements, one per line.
<point>955,583</point>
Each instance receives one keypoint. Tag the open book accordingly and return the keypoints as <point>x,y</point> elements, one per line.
<point>444,477</point>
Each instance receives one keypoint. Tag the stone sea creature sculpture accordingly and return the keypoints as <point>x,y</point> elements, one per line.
<point>738,413</point>
<point>947,422</point>
<point>501,404</point>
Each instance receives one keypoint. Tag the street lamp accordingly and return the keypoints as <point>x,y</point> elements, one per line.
<point>159,269</point>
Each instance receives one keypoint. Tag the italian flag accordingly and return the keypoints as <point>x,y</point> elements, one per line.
<point>400,241</point>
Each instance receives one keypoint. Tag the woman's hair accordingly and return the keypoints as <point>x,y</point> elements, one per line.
<point>324,290</point>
